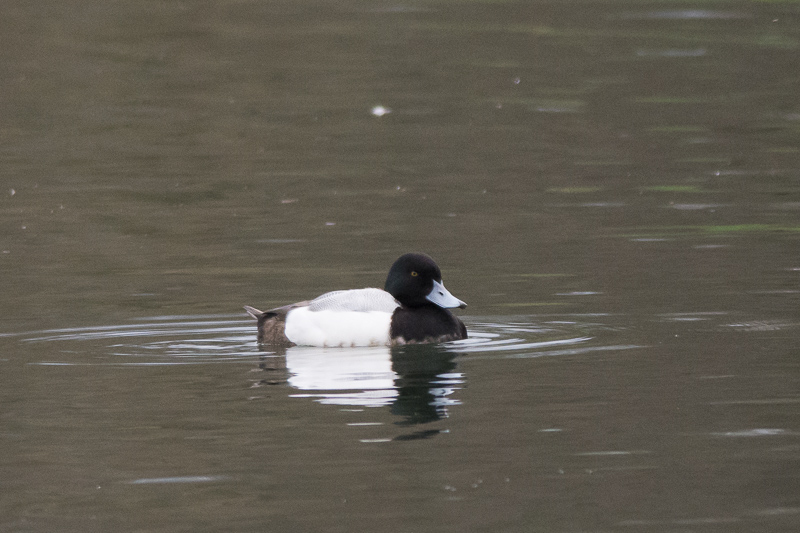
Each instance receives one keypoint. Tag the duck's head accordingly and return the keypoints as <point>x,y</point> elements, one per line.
<point>415,280</point>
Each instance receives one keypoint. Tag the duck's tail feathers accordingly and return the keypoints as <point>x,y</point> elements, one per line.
<point>253,312</point>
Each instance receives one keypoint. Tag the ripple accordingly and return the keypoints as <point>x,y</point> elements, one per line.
<point>419,383</point>
<point>761,325</point>
<point>162,340</point>
<point>201,339</point>
<point>684,14</point>
<point>177,479</point>
<point>504,345</point>
<point>758,432</point>
<point>517,339</point>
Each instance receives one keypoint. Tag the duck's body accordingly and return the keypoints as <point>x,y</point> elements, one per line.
<point>412,309</point>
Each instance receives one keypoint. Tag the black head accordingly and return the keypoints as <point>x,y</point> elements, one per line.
<point>415,280</point>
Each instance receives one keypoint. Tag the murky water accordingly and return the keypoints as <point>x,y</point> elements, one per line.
<point>613,187</point>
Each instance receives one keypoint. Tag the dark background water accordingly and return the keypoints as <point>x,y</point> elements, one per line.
<point>613,187</point>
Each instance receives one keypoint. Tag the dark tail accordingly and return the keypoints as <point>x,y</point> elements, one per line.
<point>253,312</point>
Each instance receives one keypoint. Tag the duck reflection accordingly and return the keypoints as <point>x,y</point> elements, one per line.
<point>358,376</point>
<point>426,379</point>
<point>416,381</point>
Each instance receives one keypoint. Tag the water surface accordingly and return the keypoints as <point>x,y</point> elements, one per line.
<point>612,187</point>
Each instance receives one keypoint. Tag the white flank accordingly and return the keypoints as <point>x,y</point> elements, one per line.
<point>305,327</point>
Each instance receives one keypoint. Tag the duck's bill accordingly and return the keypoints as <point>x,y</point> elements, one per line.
<point>442,297</point>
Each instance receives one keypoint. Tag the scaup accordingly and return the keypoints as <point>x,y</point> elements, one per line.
<point>411,309</point>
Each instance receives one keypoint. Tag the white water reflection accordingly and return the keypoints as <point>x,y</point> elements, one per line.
<point>418,382</point>
<point>338,369</point>
<point>364,373</point>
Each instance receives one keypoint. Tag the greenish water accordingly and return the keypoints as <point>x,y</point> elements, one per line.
<point>613,188</point>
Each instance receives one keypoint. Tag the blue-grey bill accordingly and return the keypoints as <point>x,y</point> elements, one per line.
<point>442,297</point>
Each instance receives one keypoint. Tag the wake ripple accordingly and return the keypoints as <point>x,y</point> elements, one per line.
<point>202,339</point>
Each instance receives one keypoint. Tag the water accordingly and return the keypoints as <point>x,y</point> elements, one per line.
<point>612,187</point>
<point>634,420</point>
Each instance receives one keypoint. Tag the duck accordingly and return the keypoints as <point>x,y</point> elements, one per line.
<point>412,308</point>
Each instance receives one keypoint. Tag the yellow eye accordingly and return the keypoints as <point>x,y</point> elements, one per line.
<point>414,273</point>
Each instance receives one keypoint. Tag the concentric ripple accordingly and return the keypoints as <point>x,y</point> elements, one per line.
<point>200,339</point>
<point>529,337</point>
<point>164,340</point>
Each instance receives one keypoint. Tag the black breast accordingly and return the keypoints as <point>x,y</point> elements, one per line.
<point>425,324</point>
